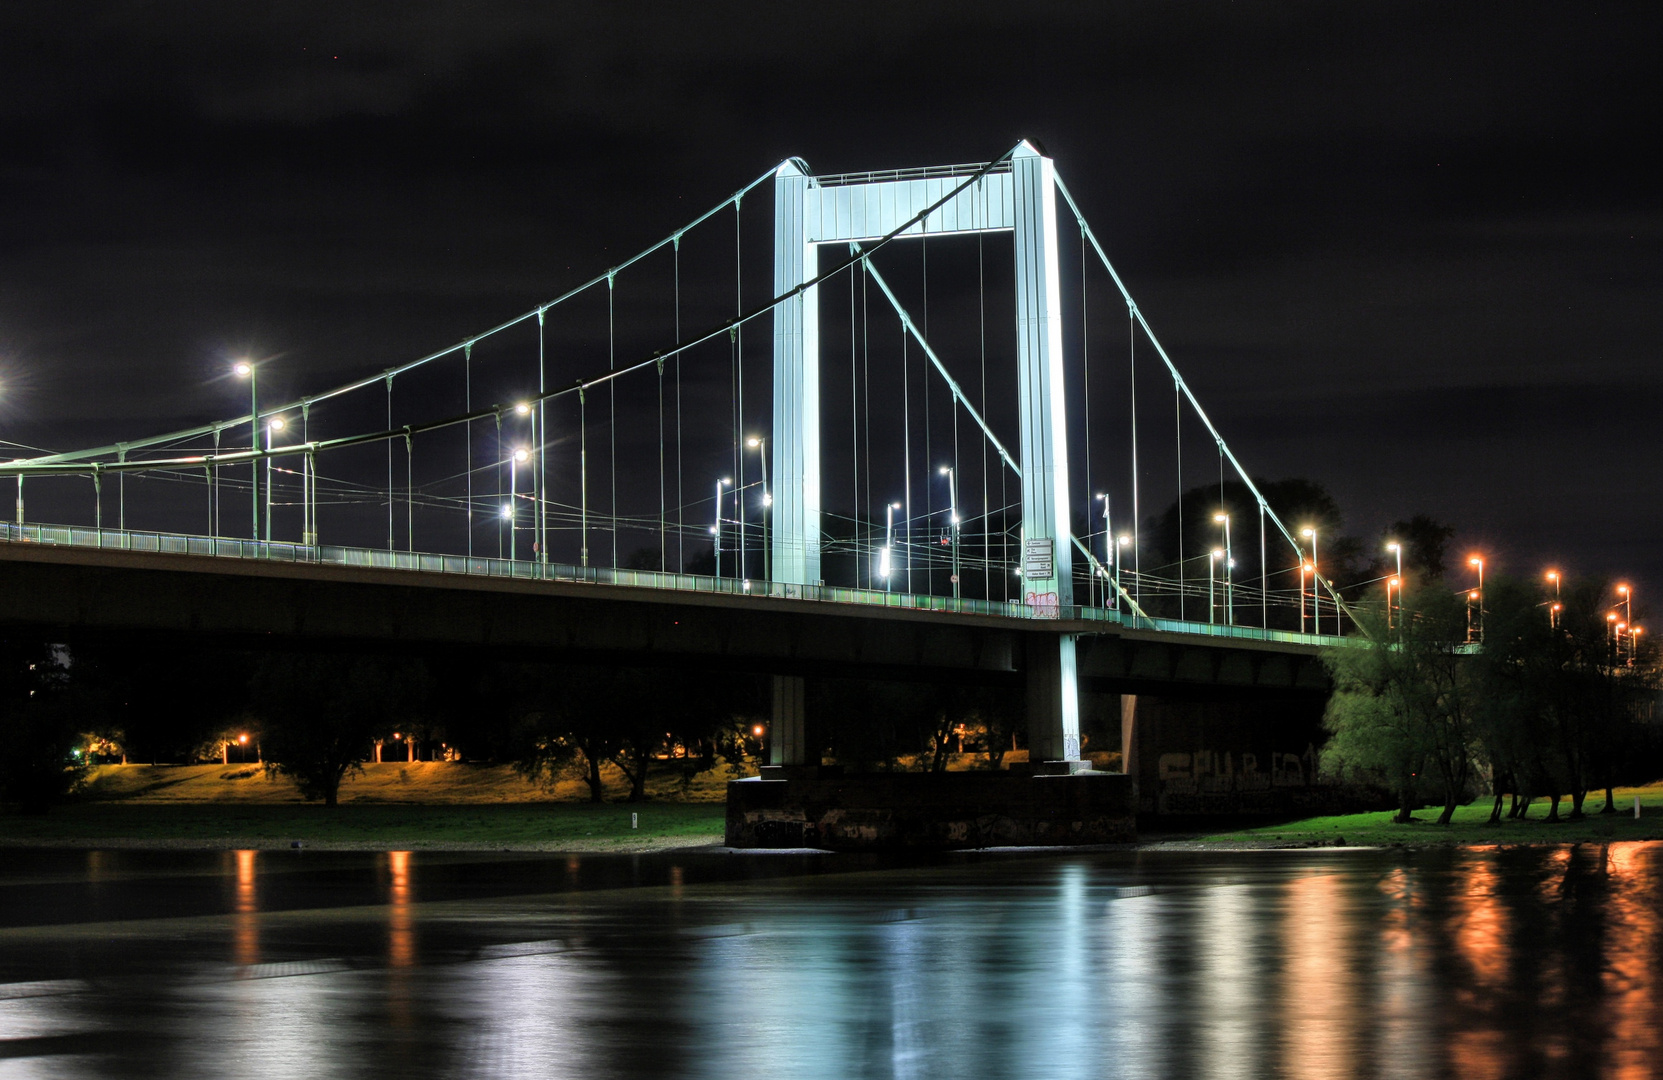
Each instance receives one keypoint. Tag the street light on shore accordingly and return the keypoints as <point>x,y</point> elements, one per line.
<point>884,565</point>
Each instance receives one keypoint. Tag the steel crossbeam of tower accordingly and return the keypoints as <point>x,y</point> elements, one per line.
<point>1020,199</point>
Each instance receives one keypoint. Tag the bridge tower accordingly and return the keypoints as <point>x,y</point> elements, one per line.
<point>1019,198</point>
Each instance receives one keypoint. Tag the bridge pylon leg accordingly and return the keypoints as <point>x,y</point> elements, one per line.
<point>787,742</point>
<point>1053,704</point>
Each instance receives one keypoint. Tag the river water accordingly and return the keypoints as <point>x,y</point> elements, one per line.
<point>1527,962</point>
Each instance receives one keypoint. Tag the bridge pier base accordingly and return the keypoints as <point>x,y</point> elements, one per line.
<point>1053,705</point>
<point>787,731</point>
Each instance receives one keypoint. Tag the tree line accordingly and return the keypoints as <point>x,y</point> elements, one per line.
<point>1512,693</point>
<point>318,717</point>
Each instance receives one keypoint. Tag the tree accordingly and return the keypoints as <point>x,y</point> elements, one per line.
<point>321,714</point>
<point>1425,546</point>
<point>39,724</point>
<point>1404,704</point>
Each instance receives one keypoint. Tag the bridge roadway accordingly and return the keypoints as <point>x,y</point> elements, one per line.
<point>81,582</point>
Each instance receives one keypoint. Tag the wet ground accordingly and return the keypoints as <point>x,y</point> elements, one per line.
<point>1523,962</point>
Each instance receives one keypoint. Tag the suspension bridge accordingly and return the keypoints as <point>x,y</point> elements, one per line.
<point>948,435</point>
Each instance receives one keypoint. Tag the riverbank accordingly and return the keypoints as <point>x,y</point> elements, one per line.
<point>546,827</point>
<point>1469,828</point>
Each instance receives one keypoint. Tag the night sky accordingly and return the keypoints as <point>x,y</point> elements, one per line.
<point>1413,251</point>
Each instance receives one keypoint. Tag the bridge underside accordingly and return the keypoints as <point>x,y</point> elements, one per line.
<point>77,592</point>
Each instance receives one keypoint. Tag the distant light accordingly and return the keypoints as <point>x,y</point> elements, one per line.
<point>243,739</point>
<point>1217,553</point>
<point>894,506</point>
<point>943,470</point>
<point>1124,540</point>
<point>753,442</point>
<point>727,480</point>
<point>1394,583</point>
<point>1393,546</point>
<point>1221,517</point>
<point>523,408</point>
<point>757,731</point>
<point>1622,588</point>
<point>507,510</point>
<point>522,454</point>
<point>1553,575</point>
<point>1475,561</point>
<point>242,369</point>
<point>277,423</point>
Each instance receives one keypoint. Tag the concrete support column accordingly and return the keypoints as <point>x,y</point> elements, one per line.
<point>1053,699</point>
<point>1129,737</point>
<point>787,742</point>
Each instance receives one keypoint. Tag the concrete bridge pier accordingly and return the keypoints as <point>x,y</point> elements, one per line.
<point>787,731</point>
<point>1053,705</point>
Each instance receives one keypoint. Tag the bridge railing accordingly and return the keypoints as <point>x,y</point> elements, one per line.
<point>530,570</point>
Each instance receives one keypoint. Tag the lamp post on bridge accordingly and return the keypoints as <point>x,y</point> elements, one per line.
<point>539,542</point>
<point>1108,546</point>
<point>1396,549</point>
<point>953,523</point>
<point>716,529</point>
<point>275,424</point>
<point>509,510</point>
<point>1212,562</point>
<point>1477,596</point>
<point>1229,571</point>
<point>1316,584</point>
<point>1122,542</point>
<point>247,369</point>
<point>760,445</point>
<point>884,561</point>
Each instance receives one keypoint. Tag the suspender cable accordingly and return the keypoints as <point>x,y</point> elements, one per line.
<point>1137,510</point>
<point>736,381</point>
<point>1201,413</point>
<point>663,518</point>
<point>929,561</point>
<point>981,326</point>
<point>390,545</point>
<point>681,502</point>
<point>612,405</point>
<point>467,396</point>
<point>1178,427</point>
<point>1085,363</point>
<point>1264,576</point>
<point>854,430</point>
<point>866,382</point>
<point>906,429</point>
<point>409,491</point>
<point>539,495</point>
<point>583,472</point>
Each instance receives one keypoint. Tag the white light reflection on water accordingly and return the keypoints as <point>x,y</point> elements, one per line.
<point>1312,965</point>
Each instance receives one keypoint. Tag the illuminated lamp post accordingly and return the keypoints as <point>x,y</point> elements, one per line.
<point>1229,570</point>
<point>884,564</point>
<point>245,369</point>
<point>760,445</point>
<point>953,523</point>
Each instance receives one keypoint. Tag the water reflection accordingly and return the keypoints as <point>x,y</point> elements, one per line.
<point>1472,964</point>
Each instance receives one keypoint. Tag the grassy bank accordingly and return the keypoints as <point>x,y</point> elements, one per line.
<point>1469,826</point>
<point>520,827</point>
<point>431,783</point>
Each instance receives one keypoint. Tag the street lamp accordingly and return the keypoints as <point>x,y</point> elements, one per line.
<point>1304,568</point>
<point>1478,595</point>
<point>509,512</point>
<point>1553,615</point>
<point>760,445</point>
<point>276,423</point>
<point>245,369</point>
<point>1108,539</point>
<point>1212,561</point>
<point>953,523</point>
<point>1229,570</point>
<point>1316,594</point>
<point>1397,549</point>
<point>716,529</point>
<point>1392,583</point>
<point>1628,602</point>
<point>888,542</point>
<point>538,540</point>
<point>1553,576</point>
<point>1123,541</point>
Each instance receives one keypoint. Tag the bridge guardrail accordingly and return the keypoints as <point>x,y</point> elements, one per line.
<point>525,569</point>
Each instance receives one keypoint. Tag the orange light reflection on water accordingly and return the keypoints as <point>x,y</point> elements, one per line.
<point>1319,1011</point>
<point>245,918</point>
<point>1631,949</point>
